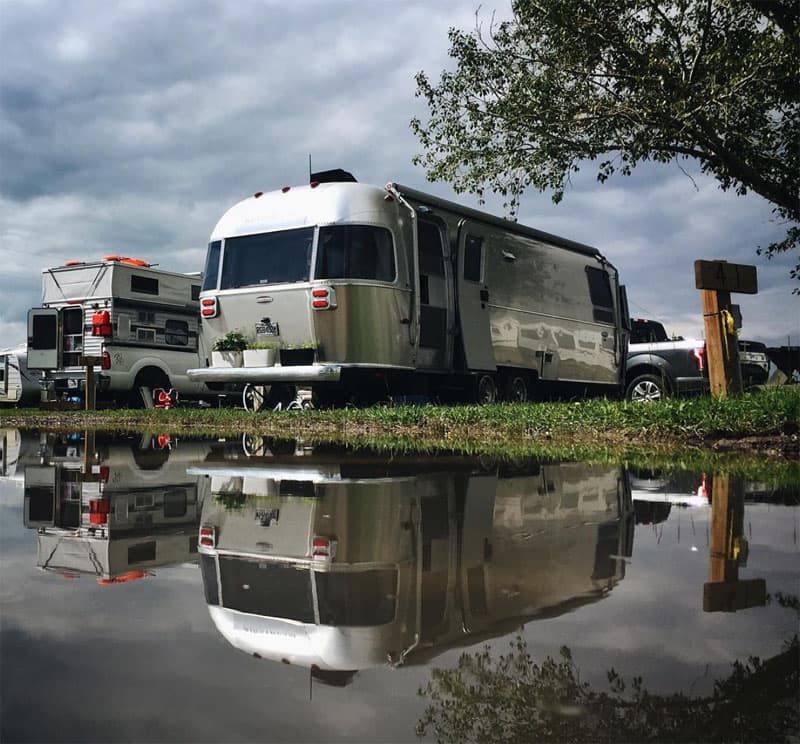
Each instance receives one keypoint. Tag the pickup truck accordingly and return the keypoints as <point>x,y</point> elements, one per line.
<point>658,366</point>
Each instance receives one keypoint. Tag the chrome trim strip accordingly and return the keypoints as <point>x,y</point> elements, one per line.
<point>268,375</point>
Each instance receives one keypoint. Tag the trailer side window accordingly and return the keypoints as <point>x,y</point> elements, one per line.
<point>144,284</point>
<point>212,266</point>
<point>429,239</point>
<point>600,294</point>
<point>473,255</point>
<point>355,252</point>
<point>176,332</point>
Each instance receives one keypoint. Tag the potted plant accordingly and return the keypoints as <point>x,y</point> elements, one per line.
<point>261,353</point>
<point>227,350</point>
<point>298,354</point>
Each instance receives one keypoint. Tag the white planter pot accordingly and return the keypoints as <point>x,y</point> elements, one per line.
<point>260,357</point>
<point>226,358</point>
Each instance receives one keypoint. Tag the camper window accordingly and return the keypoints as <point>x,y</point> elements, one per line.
<point>267,258</point>
<point>144,284</point>
<point>176,332</point>
<point>359,598</point>
<point>211,271</point>
<point>600,294</point>
<point>355,252</point>
<point>473,249</point>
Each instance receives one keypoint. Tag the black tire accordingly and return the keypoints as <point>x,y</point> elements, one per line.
<point>646,389</point>
<point>486,390</point>
<point>151,379</point>
<point>517,389</point>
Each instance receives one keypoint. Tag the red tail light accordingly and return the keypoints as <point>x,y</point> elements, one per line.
<point>208,307</point>
<point>700,358</point>
<point>323,548</point>
<point>323,298</point>
<point>208,537</point>
<point>106,360</point>
<point>104,473</point>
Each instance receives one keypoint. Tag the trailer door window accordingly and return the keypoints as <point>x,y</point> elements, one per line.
<point>267,258</point>
<point>211,269</point>
<point>355,252</point>
<point>473,255</point>
<point>600,294</point>
<point>45,332</point>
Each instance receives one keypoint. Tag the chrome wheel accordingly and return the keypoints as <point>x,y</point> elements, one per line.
<point>645,389</point>
<point>253,397</point>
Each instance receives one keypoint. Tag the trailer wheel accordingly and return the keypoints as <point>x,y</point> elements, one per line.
<point>517,390</point>
<point>486,390</point>
<point>254,396</point>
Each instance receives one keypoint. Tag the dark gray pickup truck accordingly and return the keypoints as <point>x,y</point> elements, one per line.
<point>659,366</point>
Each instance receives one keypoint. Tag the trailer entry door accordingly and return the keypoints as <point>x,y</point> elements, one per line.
<point>472,297</point>
<point>43,338</point>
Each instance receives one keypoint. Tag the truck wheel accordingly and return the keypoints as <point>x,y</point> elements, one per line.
<point>486,390</point>
<point>147,381</point>
<point>645,388</point>
<point>517,390</point>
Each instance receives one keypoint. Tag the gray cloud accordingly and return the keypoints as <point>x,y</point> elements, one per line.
<point>130,128</point>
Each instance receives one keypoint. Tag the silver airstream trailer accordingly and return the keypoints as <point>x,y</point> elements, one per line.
<point>373,292</point>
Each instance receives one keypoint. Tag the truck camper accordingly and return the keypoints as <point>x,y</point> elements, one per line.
<point>118,513</point>
<point>391,291</point>
<point>141,321</point>
<point>341,565</point>
<point>18,384</point>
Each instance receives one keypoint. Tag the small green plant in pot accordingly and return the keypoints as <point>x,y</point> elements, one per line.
<point>298,354</point>
<point>226,350</point>
<point>261,353</point>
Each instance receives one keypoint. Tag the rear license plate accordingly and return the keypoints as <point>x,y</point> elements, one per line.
<point>267,329</point>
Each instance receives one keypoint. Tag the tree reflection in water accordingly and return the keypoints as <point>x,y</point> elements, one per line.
<point>514,699</point>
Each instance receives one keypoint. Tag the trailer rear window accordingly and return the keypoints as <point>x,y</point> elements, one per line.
<point>355,252</point>
<point>267,258</point>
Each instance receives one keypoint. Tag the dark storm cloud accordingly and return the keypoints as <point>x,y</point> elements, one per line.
<point>130,127</point>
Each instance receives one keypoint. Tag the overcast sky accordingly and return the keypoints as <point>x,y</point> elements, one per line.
<point>130,127</point>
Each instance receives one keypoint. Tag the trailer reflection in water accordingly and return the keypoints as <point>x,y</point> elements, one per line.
<point>343,564</point>
<point>113,509</point>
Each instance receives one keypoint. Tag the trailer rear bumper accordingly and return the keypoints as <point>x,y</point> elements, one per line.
<point>268,375</point>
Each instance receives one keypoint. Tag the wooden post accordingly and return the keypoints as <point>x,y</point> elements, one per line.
<point>722,347</point>
<point>90,362</point>
<point>716,280</point>
<point>725,591</point>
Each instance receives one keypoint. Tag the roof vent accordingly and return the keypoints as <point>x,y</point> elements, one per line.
<point>337,175</point>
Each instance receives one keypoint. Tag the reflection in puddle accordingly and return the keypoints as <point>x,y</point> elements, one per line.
<point>346,566</point>
<point>340,566</point>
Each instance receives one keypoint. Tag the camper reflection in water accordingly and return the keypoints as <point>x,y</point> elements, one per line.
<point>344,564</point>
<point>113,509</point>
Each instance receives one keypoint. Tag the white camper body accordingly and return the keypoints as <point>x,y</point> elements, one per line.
<point>127,508</point>
<point>142,321</point>
<point>18,385</point>
<point>400,292</point>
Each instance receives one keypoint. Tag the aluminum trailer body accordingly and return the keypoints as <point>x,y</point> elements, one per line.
<point>398,291</point>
